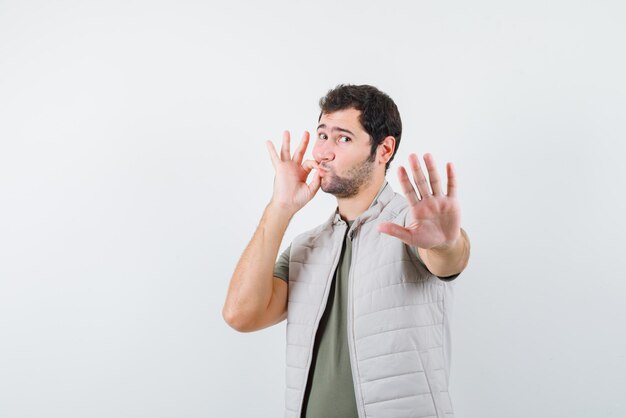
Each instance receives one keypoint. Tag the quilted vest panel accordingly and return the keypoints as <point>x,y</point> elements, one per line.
<point>398,316</point>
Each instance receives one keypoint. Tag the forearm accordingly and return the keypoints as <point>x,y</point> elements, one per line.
<point>251,285</point>
<point>450,260</point>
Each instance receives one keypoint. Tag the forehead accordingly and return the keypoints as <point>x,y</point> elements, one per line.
<point>345,118</point>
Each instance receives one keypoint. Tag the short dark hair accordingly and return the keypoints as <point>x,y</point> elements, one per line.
<point>379,114</point>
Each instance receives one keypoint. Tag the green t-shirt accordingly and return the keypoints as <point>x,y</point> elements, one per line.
<point>330,389</point>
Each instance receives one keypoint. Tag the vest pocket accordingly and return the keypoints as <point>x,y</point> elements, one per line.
<point>424,357</point>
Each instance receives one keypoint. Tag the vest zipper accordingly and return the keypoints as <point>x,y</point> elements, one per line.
<point>318,319</point>
<point>350,326</point>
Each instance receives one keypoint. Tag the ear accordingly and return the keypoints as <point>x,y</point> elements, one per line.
<point>386,149</point>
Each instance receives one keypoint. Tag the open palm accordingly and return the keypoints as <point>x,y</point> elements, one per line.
<point>435,217</point>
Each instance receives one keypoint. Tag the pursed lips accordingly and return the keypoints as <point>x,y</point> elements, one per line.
<point>323,169</point>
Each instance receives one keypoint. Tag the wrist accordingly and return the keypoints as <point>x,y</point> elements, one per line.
<point>281,209</point>
<point>450,258</point>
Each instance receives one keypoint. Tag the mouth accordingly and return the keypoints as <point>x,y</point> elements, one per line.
<point>323,170</point>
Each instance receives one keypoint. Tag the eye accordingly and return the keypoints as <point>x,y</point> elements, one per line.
<point>345,139</point>
<point>322,135</point>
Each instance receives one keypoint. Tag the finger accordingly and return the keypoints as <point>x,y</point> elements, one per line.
<point>272,151</point>
<point>309,165</point>
<point>418,177</point>
<point>396,230</point>
<point>451,180</point>
<point>433,175</point>
<point>407,187</point>
<point>285,154</point>
<point>314,186</point>
<point>304,142</point>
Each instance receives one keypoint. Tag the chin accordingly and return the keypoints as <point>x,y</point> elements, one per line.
<point>326,187</point>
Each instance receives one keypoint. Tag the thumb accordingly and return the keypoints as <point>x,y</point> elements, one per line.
<point>396,231</point>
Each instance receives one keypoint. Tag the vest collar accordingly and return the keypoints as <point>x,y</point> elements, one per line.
<point>384,196</point>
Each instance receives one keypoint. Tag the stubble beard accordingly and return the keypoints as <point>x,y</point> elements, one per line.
<point>354,180</point>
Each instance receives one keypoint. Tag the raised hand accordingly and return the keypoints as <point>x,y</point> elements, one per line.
<point>291,192</point>
<point>435,217</point>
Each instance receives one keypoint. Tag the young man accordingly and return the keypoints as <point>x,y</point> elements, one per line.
<point>366,294</point>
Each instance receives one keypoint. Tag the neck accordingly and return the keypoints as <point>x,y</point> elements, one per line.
<point>351,208</point>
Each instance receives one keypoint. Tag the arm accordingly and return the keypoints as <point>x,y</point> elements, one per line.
<point>256,299</point>
<point>435,228</point>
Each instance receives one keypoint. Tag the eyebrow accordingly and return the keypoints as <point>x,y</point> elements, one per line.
<point>323,126</point>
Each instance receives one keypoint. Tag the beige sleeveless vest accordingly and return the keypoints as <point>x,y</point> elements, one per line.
<point>398,316</point>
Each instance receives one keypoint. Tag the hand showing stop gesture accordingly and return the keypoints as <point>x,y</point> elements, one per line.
<point>435,217</point>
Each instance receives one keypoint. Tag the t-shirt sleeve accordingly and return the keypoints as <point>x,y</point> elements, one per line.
<point>281,268</point>
<point>446,278</point>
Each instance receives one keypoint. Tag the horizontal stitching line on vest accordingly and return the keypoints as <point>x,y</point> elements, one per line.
<point>399,397</point>
<point>395,284</point>
<point>421,349</point>
<point>298,345</point>
<point>386,264</point>
<point>399,329</point>
<point>359,316</point>
<point>388,354</point>
<point>295,367</point>
<point>393,375</point>
<point>300,323</point>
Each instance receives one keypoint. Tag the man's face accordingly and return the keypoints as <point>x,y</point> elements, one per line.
<point>342,150</point>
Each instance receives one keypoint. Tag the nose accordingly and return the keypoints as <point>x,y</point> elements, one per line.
<point>323,150</point>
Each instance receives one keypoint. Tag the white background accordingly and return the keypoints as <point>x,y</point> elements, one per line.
<point>133,172</point>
